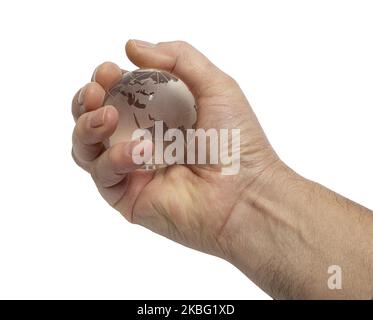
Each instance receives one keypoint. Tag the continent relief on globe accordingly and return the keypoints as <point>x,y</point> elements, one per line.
<point>146,95</point>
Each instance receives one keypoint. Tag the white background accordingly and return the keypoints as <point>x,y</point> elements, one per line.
<point>306,67</point>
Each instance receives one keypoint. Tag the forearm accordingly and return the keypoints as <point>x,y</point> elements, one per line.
<point>287,231</point>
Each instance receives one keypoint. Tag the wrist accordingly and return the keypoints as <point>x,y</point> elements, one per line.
<point>286,231</point>
<point>264,233</point>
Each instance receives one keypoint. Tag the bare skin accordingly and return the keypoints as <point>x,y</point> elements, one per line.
<point>282,230</point>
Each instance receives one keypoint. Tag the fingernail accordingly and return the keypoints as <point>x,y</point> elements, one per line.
<point>145,44</point>
<point>98,118</point>
<point>81,95</point>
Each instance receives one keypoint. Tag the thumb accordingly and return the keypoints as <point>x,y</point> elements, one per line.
<point>201,76</point>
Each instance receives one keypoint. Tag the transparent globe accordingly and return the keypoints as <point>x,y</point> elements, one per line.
<point>144,98</point>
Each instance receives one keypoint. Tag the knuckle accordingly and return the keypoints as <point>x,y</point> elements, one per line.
<point>229,79</point>
<point>182,45</point>
<point>78,162</point>
<point>94,174</point>
<point>226,82</point>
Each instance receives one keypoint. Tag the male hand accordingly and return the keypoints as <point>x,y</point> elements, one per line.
<point>283,231</point>
<point>190,204</point>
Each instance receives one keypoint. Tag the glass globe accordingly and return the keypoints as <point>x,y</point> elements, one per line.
<point>144,98</point>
